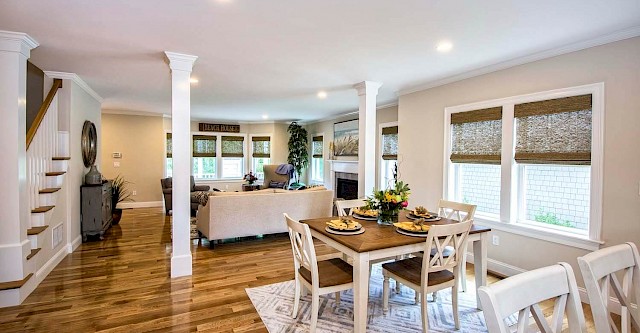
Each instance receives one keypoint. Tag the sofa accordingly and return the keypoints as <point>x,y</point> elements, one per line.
<point>242,214</point>
<point>167,190</point>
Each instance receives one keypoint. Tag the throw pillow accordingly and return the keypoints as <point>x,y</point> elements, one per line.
<point>274,184</point>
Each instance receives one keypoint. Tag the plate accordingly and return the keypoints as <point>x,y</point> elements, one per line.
<point>412,234</point>
<point>344,233</point>
<point>365,218</point>
<point>415,217</point>
<point>400,225</point>
<point>347,230</point>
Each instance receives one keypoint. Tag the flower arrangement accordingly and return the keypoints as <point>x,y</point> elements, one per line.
<point>250,177</point>
<point>389,202</point>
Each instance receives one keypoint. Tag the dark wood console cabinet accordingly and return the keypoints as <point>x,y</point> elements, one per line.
<point>96,210</point>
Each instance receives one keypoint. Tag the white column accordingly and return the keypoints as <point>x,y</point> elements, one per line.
<point>367,92</point>
<point>181,66</point>
<point>15,49</point>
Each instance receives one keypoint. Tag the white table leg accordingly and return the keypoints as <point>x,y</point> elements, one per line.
<point>360,292</point>
<point>480,263</point>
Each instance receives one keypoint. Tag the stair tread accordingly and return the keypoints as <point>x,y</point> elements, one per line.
<point>33,253</point>
<point>55,173</point>
<point>15,284</point>
<point>61,158</point>
<point>50,190</point>
<point>36,230</point>
<point>42,209</point>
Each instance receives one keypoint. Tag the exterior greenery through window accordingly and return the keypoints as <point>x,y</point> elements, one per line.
<point>261,154</point>
<point>317,161</point>
<point>389,145</point>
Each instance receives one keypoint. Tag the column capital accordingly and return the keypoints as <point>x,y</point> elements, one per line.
<point>367,87</point>
<point>180,62</point>
<point>17,42</point>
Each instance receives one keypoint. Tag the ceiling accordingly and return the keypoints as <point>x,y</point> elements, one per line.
<point>258,57</point>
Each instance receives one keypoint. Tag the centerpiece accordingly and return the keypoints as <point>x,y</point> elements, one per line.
<point>389,202</point>
<point>250,178</point>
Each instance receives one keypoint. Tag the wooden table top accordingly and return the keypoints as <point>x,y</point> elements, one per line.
<point>377,237</point>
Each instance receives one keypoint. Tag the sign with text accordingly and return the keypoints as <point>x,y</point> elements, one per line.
<point>204,127</point>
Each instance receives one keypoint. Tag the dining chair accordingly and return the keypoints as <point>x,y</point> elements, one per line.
<point>521,293</point>
<point>600,273</point>
<point>319,277</point>
<point>437,273</point>
<point>345,207</point>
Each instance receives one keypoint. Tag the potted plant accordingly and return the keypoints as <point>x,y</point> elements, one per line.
<point>298,151</point>
<point>389,202</point>
<point>250,178</point>
<point>119,192</point>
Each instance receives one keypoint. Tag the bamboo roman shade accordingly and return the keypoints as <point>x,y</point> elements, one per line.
<point>261,146</point>
<point>390,143</point>
<point>204,146</point>
<point>316,146</point>
<point>476,136</point>
<point>232,146</point>
<point>169,146</point>
<point>556,131</point>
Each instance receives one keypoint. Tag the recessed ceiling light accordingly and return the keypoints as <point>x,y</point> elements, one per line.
<point>444,46</point>
<point>264,116</point>
<point>193,80</point>
<point>322,94</point>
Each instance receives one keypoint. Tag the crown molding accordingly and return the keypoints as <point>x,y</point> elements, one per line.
<point>125,112</point>
<point>17,42</point>
<point>77,80</point>
<point>602,40</point>
<point>180,61</point>
<point>351,113</point>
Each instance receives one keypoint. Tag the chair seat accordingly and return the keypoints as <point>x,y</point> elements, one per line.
<point>331,272</point>
<point>411,269</point>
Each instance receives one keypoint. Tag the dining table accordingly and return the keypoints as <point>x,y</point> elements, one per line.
<point>383,241</point>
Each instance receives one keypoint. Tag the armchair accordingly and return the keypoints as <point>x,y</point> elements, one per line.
<point>271,175</point>
<point>167,189</point>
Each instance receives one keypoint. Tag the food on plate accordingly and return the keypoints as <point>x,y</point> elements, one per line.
<point>421,212</point>
<point>343,224</point>
<point>365,211</point>
<point>412,226</point>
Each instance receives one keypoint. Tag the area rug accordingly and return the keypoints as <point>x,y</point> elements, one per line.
<point>274,303</point>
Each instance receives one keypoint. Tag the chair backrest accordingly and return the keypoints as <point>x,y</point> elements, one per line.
<point>168,183</point>
<point>456,210</point>
<point>304,253</point>
<point>521,293</point>
<point>345,207</point>
<point>599,271</point>
<point>453,236</point>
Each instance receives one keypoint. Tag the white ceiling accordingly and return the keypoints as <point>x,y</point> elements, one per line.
<point>260,57</point>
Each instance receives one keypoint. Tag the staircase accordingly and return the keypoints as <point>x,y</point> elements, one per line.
<point>46,166</point>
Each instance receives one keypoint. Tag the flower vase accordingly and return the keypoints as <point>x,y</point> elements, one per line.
<point>387,217</point>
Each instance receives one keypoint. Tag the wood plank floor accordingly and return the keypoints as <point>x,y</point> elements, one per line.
<point>122,284</point>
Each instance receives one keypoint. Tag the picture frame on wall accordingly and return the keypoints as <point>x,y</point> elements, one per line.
<point>345,138</point>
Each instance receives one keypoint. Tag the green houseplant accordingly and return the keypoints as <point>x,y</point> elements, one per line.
<point>298,150</point>
<point>119,193</point>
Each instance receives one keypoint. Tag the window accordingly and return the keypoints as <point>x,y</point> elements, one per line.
<point>317,161</point>
<point>169,159</point>
<point>204,157</point>
<point>232,156</point>
<point>389,163</point>
<point>532,164</point>
<point>261,153</point>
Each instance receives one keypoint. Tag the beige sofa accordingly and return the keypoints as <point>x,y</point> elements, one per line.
<point>241,214</point>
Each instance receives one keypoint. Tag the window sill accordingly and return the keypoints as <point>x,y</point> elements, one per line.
<point>559,237</point>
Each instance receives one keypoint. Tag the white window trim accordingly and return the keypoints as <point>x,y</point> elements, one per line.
<point>508,188</point>
<point>380,149</point>
<point>250,149</point>
<point>311,180</point>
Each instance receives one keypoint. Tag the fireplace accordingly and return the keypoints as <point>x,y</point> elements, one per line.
<point>346,185</point>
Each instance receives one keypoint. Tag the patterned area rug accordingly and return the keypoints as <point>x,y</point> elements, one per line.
<point>274,303</point>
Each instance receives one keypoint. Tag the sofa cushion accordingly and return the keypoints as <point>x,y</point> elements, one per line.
<point>316,188</point>
<point>275,184</point>
<point>222,194</point>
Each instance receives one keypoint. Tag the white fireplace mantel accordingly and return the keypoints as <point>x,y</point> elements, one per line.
<point>341,166</point>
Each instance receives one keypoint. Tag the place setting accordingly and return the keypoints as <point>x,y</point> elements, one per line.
<point>345,227</point>
<point>365,213</point>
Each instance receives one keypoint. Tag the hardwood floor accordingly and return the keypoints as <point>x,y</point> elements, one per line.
<point>122,284</point>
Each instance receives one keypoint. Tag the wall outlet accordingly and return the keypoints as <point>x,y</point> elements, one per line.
<point>134,192</point>
<point>116,164</point>
<point>226,187</point>
<point>495,240</point>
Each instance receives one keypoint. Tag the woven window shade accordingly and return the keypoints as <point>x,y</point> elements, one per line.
<point>204,146</point>
<point>261,146</point>
<point>316,146</point>
<point>232,146</point>
<point>390,143</point>
<point>169,146</point>
<point>556,131</point>
<point>476,136</point>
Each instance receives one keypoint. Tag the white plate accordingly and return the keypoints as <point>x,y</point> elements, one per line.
<point>408,233</point>
<point>413,217</point>
<point>365,218</point>
<point>344,233</point>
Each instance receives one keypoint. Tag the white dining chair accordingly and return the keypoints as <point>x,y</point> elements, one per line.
<point>437,273</point>
<point>318,277</point>
<point>600,271</point>
<point>345,207</point>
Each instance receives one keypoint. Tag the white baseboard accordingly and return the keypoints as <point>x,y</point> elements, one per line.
<point>42,273</point>
<point>142,204</point>
<point>74,244</point>
<point>509,270</point>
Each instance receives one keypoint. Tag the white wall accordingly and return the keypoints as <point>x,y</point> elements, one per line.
<point>421,133</point>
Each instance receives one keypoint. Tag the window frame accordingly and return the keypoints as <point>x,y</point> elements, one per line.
<point>313,181</point>
<point>380,164</point>
<point>251,163</point>
<point>510,173</point>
